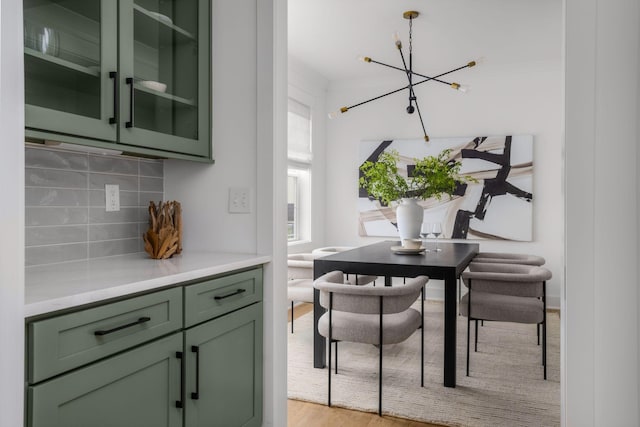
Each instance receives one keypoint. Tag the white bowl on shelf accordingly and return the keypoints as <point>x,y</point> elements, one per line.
<point>157,86</point>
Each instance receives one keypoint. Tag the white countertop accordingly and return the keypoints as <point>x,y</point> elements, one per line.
<point>50,288</point>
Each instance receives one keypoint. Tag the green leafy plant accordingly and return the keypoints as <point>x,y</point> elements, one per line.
<point>433,176</point>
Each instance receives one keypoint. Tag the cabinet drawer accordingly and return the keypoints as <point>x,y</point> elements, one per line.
<point>215,297</point>
<point>65,342</point>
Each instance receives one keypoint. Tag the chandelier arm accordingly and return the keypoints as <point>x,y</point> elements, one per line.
<point>393,91</point>
<point>435,79</point>
<point>412,96</point>
<point>426,137</point>
<point>379,96</point>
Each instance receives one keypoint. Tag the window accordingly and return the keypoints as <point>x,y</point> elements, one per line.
<point>299,171</point>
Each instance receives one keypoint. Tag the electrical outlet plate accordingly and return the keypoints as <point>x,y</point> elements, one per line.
<point>239,200</point>
<point>112,197</point>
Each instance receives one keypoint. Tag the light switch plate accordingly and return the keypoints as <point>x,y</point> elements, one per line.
<point>112,197</point>
<point>239,200</point>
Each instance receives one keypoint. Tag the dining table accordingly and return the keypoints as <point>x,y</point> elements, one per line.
<point>383,259</point>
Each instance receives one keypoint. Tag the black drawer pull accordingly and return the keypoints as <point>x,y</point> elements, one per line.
<point>179,403</point>
<point>118,328</point>
<point>236,292</point>
<point>195,349</point>
<point>129,81</point>
<point>114,75</point>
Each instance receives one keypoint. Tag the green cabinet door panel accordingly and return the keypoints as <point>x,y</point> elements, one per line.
<point>225,370</point>
<point>70,53</point>
<point>165,76</point>
<point>138,388</point>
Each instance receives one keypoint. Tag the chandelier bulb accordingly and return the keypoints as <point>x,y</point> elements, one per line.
<point>334,114</point>
<point>460,88</point>
<point>426,138</point>
<point>411,109</point>
<point>479,61</point>
<point>396,39</point>
<point>364,58</point>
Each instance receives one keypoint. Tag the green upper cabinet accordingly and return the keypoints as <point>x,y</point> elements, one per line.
<point>164,67</point>
<point>70,56</point>
<point>133,75</point>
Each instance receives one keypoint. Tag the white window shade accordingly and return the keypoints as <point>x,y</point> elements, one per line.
<point>299,132</point>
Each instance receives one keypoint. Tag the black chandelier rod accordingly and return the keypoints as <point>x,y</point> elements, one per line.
<point>412,95</point>
<point>345,109</point>
<point>435,79</point>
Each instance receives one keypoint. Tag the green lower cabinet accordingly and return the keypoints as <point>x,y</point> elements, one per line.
<point>137,388</point>
<point>223,374</point>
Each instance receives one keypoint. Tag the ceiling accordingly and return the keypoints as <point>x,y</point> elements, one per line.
<point>329,35</point>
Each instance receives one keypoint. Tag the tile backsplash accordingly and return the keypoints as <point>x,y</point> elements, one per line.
<point>65,211</point>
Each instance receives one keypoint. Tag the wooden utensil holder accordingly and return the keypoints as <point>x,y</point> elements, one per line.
<point>163,239</point>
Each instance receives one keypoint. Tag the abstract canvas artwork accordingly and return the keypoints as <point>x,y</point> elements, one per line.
<point>498,206</point>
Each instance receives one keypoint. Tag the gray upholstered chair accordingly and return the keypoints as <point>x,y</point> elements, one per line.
<point>300,283</point>
<point>300,279</point>
<point>504,258</point>
<point>354,279</point>
<point>506,293</point>
<point>370,315</point>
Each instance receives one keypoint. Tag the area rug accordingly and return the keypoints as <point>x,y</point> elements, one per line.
<point>505,386</point>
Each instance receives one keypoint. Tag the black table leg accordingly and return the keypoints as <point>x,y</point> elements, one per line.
<point>387,280</point>
<point>318,340</point>
<point>450,319</point>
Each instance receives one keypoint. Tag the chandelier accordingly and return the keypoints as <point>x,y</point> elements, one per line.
<point>410,74</point>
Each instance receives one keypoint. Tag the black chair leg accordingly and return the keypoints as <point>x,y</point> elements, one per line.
<point>291,316</point>
<point>422,340</point>
<point>330,337</point>
<point>336,358</point>
<point>468,333</point>
<point>544,346</point>
<point>476,338</point>
<point>381,340</point>
<point>380,384</point>
<point>459,294</point>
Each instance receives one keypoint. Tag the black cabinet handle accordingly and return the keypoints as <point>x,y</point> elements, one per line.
<point>195,349</point>
<point>236,292</point>
<point>179,403</point>
<point>129,81</point>
<point>114,75</point>
<point>118,328</point>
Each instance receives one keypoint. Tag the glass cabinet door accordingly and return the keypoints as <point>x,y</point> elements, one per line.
<point>164,83</point>
<point>70,54</point>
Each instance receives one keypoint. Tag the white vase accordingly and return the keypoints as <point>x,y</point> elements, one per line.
<point>409,217</point>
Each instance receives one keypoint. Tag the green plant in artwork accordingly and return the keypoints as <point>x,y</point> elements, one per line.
<point>433,176</point>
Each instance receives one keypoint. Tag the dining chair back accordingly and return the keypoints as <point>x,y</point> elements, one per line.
<point>506,293</point>
<point>370,315</point>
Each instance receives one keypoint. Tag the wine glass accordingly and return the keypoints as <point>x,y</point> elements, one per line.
<point>425,230</point>
<point>436,230</point>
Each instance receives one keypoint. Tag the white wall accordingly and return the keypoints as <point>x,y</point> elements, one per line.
<point>505,98</point>
<point>600,320</point>
<point>11,214</point>
<point>249,99</point>
<point>203,189</point>
<point>308,87</point>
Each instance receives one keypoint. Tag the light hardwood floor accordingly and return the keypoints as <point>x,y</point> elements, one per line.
<point>314,415</point>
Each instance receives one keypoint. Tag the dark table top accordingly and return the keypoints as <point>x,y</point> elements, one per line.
<point>379,259</point>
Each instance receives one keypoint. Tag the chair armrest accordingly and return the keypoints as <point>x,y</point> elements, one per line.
<point>366,299</point>
<point>506,272</point>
